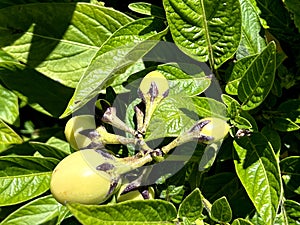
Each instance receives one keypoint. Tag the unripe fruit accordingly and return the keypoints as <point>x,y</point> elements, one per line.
<point>215,128</point>
<point>73,128</point>
<point>157,79</point>
<point>153,89</point>
<point>148,193</point>
<point>84,177</point>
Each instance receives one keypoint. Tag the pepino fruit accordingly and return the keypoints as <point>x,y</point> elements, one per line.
<point>153,89</point>
<point>73,128</point>
<point>86,177</point>
<point>214,129</point>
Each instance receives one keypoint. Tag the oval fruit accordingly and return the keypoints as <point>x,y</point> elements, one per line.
<point>73,128</point>
<point>77,178</point>
<point>161,84</point>
<point>215,128</point>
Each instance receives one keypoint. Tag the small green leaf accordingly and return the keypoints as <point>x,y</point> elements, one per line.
<point>24,177</point>
<point>59,46</point>
<point>290,168</point>
<point>191,207</point>
<point>292,209</point>
<point>241,123</point>
<point>205,30</point>
<point>173,193</point>
<point>241,221</point>
<point>120,51</point>
<point>221,211</point>
<point>251,42</point>
<point>8,135</point>
<point>9,108</point>
<point>258,169</point>
<point>257,82</point>
<point>147,9</point>
<point>60,144</point>
<point>141,212</point>
<point>39,211</point>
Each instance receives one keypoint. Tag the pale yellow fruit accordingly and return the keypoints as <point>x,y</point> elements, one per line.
<point>74,126</point>
<point>76,179</point>
<point>216,128</point>
<point>157,78</point>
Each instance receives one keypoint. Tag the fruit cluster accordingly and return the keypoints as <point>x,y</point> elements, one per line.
<point>93,175</point>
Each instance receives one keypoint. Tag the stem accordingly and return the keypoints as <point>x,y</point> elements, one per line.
<point>130,163</point>
<point>183,138</point>
<point>139,118</point>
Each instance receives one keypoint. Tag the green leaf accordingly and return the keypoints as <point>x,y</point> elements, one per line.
<point>147,9</point>
<point>258,80</point>
<point>205,30</point>
<point>274,139</point>
<point>60,144</point>
<point>5,57</point>
<point>221,211</point>
<point>39,211</point>
<point>294,7</point>
<point>169,120</point>
<point>239,70</point>
<point>59,46</point>
<point>24,177</point>
<point>182,83</point>
<point>191,207</point>
<point>251,42</point>
<point>9,108</point>
<point>241,221</point>
<point>292,209</point>
<point>278,19</point>
<point>258,170</point>
<point>291,108</point>
<point>141,212</point>
<point>219,185</point>
<point>173,193</point>
<point>48,151</point>
<point>36,87</point>
<point>284,124</point>
<point>122,50</point>
<point>290,168</point>
<point>209,107</point>
<point>8,135</point>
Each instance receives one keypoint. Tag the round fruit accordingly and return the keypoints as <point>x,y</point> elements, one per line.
<point>74,126</point>
<point>215,128</point>
<point>84,177</point>
<point>157,79</point>
<point>135,194</point>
